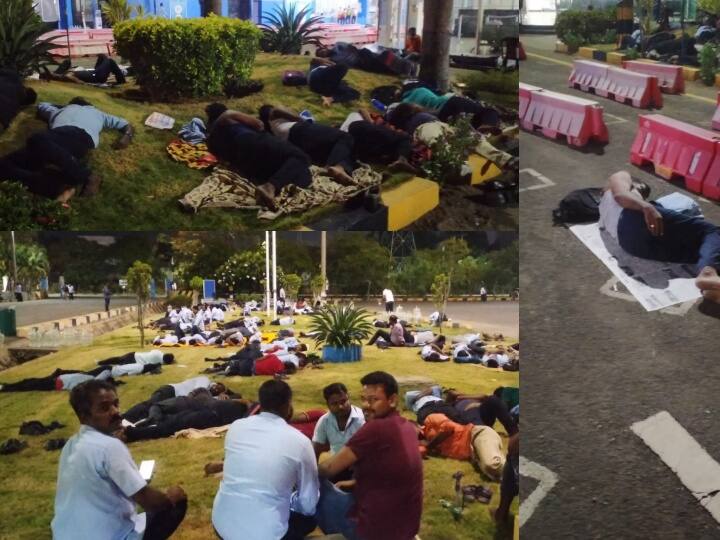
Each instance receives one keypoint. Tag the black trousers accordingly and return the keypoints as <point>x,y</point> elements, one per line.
<point>329,82</point>
<point>491,410</point>
<point>63,148</point>
<point>262,157</point>
<point>128,358</point>
<point>482,116</point>
<point>326,146</point>
<point>142,409</point>
<point>380,334</point>
<point>45,383</point>
<point>299,526</point>
<point>161,525</point>
<point>104,66</point>
<point>440,407</point>
<point>377,143</point>
<point>188,419</point>
<point>18,297</point>
<point>107,304</point>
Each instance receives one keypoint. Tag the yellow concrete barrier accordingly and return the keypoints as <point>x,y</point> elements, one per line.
<point>586,52</point>
<point>483,170</point>
<point>616,58</point>
<point>690,73</point>
<point>410,201</point>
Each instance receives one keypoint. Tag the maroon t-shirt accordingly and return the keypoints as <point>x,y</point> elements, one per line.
<point>269,364</point>
<point>389,489</point>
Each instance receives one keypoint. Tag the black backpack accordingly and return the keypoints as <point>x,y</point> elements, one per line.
<point>579,206</point>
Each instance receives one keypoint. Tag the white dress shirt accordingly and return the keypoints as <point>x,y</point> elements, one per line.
<point>149,357</point>
<point>96,479</point>
<point>269,469</point>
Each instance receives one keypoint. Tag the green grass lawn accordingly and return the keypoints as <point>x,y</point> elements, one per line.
<point>28,478</point>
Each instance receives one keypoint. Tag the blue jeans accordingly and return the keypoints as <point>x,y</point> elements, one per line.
<point>685,239</point>
<point>332,509</point>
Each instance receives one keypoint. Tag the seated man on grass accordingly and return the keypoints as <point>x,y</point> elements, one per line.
<point>104,67</point>
<point>267,161</point>
<point>270,485</point>
<point>386,500</point>
<point>52,163</point>
<point>649,231</point>
<point>335,428</point>
<point>99,484</point>
<point>394,338</point>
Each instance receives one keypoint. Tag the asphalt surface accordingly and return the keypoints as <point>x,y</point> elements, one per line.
<point>597,364</point>
<point>490,317</point>
<point>52,309</point>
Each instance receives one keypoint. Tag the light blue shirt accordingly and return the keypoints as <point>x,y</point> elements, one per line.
<point>96,479</point>
<point>328,432</point>
<point>269,468</point>
<point>91,120</point>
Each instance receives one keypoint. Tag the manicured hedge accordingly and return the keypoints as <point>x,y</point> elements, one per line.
<point>188,57</point>
<point>586,26</point>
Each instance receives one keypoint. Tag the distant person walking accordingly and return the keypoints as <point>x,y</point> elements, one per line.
<point>106,297</point>
<point>483,294</point>
<point>389,300</point>
<point>71,292</point>
<point>18,292</point>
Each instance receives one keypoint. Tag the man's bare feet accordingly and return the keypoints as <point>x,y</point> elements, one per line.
<point>265,195</point>
<point>66,195</point>
<point>327,101</point>
<point>402,165</point>
<point>708,281</point>
<point>338,174</point>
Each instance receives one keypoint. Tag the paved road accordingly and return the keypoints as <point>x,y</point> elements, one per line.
<point>599,363</point>
<point>37,311</point>
<point>491,317</point>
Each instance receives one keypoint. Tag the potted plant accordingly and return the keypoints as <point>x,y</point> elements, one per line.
<point>341,331</point>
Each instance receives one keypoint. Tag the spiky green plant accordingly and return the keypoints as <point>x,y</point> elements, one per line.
<point>287,31</point>
<point>116,11</point>
<point>21,49</point>
<point>340,326</point>
<point>140,11</point>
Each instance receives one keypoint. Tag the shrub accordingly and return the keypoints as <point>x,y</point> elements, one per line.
<point>708,64</point>
<point>632,53</point>
<point>610,36</point>
<point>188,57</point>
<point>340,326</point>
<point>21,210</point>
<point>448,154</point>
<point>573,42</point>
<point>20,28</point>
<point>287,31</point>
<point>116,11</point>
<point>495,81</point>
<point>589,26</point>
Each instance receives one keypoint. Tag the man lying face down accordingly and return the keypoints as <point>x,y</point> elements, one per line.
<point>269,162</point>
<point>98,482</point>
<point>647,230</point>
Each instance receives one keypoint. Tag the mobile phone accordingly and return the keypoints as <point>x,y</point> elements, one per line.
<point>146,469</point>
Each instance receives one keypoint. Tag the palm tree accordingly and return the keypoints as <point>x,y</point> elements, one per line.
<point>287,31</point>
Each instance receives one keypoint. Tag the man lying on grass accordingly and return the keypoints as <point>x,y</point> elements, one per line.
<point>52,163</point>
<point>649,231</point>
<point>99,484</point>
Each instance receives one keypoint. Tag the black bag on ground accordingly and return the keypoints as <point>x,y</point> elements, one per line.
<point>579,206</point>
<point>294,78</point>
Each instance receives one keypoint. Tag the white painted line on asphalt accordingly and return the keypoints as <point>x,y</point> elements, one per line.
<point>616,119</point>
<point>697,470</point>
<point>544,180</point>
<point>547,480</point>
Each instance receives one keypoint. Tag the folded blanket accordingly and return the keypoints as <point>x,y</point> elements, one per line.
<point>193,132</point>
<point>224,188</point>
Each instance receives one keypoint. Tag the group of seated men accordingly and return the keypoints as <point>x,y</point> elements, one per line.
<point>275,483</point>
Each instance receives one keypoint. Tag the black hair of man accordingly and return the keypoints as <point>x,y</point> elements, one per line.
<point>81,397</point>
<point>213,111</point>
<point>393,319</point>
<point>412,31</point>
<point>30,96</point>
<point>168,358</point>
<point>441,339</point>
<point>77,100</point>
<point>290,368</point>
<point>274,395</point>
<point>381,378</point>
<point>264,113</point>
<point>332,389</point>
<point>641,188</point>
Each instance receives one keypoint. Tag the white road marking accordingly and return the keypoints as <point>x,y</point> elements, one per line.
<point>697,470</point>
<point>547,480</point>
<point>610,288</point>
<point>615,119</point>
<point>544,180</point>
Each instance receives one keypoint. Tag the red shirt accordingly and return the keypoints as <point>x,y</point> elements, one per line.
<point>389,489</point>
<point>269,364</point>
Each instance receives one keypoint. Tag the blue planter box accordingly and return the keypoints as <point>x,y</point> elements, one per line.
<point>353,353</point>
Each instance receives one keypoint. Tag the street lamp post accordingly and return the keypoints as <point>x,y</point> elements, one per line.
<point>12,236</point>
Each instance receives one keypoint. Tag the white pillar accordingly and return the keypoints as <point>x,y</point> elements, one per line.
<point>267,273</point>
<point>274,271</point>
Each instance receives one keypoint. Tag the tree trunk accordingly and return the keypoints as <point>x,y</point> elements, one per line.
<point>214,6</point>
<point>141,326</point>
<point>435,65</point>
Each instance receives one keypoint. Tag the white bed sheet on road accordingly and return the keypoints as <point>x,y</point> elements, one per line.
<point>678,290</point>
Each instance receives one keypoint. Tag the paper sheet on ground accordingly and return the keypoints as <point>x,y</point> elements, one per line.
<point>160,121</point>
<point>674,290</point>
